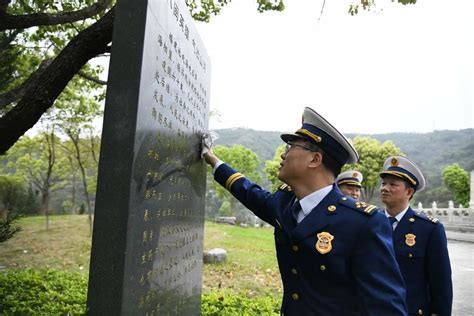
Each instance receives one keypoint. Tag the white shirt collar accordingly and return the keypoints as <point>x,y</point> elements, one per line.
<point>309,202</point>
<point>400,215</point>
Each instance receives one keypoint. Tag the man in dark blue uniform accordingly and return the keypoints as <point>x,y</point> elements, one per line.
<point>335,255</point>
<point>350,183</point>
<point>419,241</point>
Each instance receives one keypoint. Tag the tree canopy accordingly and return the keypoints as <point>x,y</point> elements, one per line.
<point>273,166</point>
<point>242,159</point>
<point>372,156</point>
<point>457,181</point>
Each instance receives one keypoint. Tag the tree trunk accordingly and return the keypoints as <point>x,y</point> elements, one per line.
<point>39,98</point>
<point>45,207</point>
<point>232,206</point>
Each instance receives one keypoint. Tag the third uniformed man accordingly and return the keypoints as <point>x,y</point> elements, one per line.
<point>350,183</point>
<point>419,241</point>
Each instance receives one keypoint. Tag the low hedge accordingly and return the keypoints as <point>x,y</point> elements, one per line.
<point>52,292</point>
<point>42,292</point>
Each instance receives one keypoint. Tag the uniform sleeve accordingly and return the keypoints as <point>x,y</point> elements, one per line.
<point>439,272</point>
<point>248,193</point>
<point>380,284</point>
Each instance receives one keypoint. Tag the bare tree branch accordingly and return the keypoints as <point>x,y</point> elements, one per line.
<point>39,98</point>
<point>15,94</point>
<point>91,78</point>
<point>322,9</point>
<point>8,21</point>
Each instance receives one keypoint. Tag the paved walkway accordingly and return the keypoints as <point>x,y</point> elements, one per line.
<point>460,236</point>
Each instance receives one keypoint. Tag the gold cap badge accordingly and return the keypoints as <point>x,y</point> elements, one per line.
<point>323,245</point>
<point>410,240</point>
<point>355,175</point>
<point>394,162</point>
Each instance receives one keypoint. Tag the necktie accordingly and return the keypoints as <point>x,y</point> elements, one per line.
<point>392,220</point>
<point>295,209</point>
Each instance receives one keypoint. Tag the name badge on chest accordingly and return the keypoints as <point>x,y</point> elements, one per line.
<point>323,244</point>
<point>410,240</point>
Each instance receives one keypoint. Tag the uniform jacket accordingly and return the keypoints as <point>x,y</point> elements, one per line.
<point>422,254</point>
<point>357,276</point>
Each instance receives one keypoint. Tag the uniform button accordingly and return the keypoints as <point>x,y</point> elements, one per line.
<point>295,248</point>
<point>294,271</point>
<point>322,267</point>
<point>410,255</point>
<point>420,312</point>
<point>295,296</point>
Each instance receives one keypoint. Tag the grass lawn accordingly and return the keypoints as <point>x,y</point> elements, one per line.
<point>251,263</point>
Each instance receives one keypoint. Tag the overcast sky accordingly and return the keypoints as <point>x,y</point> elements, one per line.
<point>401,69</point>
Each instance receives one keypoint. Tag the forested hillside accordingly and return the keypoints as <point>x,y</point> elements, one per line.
<point>431,151</point>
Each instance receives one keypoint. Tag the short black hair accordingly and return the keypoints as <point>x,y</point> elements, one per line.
<point>328,161</point>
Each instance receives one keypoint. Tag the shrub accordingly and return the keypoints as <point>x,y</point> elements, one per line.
<point>42,292</point>
<point>229,303</point>
<point>8,227</point>
<point>52,292</point>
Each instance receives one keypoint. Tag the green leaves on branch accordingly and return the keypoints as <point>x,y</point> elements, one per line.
<point>457,181</point>
<point>266,5</point>
<point>202,10</point>
<point>272,167</point>
<point>372,156</point>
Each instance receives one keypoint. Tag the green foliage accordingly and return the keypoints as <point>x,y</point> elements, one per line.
<point>273,166</point>
<point>11,188</point>
<point>224,210</point>
<point>53,292</point>
<point>367,5</point>
<point>44,292</point>
<point>8,228</point>
<point>457,181</point>
<point>217,303</point>
<point>272,5</point>
<point>27,203</point>
<point>242,159</point>
<point>372,156</point>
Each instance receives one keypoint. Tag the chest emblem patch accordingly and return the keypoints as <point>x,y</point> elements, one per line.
<point>410,239</point>
<point>323,245</point>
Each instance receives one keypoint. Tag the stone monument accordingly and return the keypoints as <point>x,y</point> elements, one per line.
<point>146,256</point>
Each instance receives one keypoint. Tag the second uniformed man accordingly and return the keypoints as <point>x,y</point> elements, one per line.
<point>419,241</point>
<point>335,255</point>
<point>350,183</point>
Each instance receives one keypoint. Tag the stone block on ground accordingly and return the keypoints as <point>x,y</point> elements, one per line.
<point>215,255</point>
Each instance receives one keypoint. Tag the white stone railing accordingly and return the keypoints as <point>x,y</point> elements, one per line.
<point>460,218</point>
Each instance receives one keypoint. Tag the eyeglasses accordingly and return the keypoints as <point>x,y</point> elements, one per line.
<point>290,145</point>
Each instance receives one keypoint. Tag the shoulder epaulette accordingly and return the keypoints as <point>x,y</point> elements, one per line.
<point>358,206</point>
<point>285,187</point>
<point>428,218</point>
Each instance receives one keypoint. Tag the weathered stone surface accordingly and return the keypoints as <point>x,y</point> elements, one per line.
<point>226,220</point>
<point>215,255</point>
<point>146,256</point>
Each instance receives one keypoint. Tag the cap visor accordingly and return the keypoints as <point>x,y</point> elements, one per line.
<point>291,137</point>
